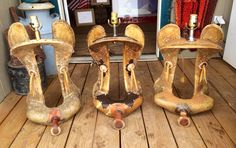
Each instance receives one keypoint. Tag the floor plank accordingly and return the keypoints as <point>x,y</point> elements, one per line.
<point>133,135</point>
<point>185,137</point>
<point>13,123</point>
<point>210,129</point>
<point>157,127</point>
<point>8,104</point>
<point>33,130</point>
<point>221,110</point>
<point>226,71</point>
<point>82,130</point>
<point>10,101</point>
<point>78,76</point>
<point>106,136</point>
<point>223,87</point>
<point>149,126</point>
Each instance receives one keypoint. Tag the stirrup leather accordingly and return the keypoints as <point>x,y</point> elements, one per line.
<point>170,43</point>
<point>133,46</point>
<point>22,48</point>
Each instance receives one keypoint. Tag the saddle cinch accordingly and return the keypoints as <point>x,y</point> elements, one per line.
<point>22,48</point>
<point>132,49</point>
<point>170,44</point>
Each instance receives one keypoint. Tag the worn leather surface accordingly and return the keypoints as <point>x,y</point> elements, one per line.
<point>22,48</point>
<point>170,43</point>
<point>98,48</point>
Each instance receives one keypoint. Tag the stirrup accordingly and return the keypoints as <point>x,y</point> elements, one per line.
<point>170,43</point>
<point>22,48</point>
<point>133,46</point>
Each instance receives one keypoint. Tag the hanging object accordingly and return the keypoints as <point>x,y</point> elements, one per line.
<point>170,43</point>
<point>22,48</point>
<point>98,48</point>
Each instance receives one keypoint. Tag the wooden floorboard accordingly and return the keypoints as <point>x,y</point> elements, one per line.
<point>10,101</point>
<point>185,137</point>
<point>134,128</point>
<point>221,110</point>
<point>149,126</point>
<point>8,104</point>
<point>227,72</point>
<point>209,128</point>
<point>13,123</point>
<point>157,127</point>
<point>222,86</point>
<point>78,77</point>
<point>105,136</point>
<point>83,127</point>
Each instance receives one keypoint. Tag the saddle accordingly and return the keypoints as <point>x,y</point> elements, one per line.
<point>98,48</point>
<point>23,48</point>
<point>170,44</point>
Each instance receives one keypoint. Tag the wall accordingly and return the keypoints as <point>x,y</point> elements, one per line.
<point>230,52</point>
<point>5,21</point>
<point>223,8</point>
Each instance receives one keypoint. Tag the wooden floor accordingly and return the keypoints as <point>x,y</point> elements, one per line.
<point>149,126</point>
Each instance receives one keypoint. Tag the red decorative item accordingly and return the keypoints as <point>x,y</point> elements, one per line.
<point>203,8</point>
